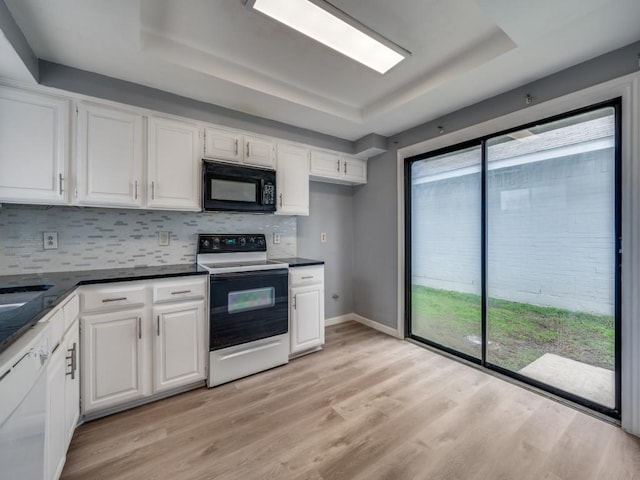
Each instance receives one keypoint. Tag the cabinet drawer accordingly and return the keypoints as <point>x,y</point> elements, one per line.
<point>106,298</point>
<point>168,291</point>
<point>306,275</point>
<point>71,310</point>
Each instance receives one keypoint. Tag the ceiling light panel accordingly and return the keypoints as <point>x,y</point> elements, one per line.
<point>334,29</point>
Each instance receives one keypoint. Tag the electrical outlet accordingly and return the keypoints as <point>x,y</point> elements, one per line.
<point>50,240</point>
<point>276,237</point>
<point>163,238</point>
<point>323,237</point>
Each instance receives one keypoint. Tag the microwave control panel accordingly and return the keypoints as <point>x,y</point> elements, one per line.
<point>269,194</point>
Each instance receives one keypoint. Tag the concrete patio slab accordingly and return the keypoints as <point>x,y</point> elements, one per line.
<point>593,383</point>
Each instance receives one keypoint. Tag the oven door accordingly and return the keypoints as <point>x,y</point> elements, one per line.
<point>247,306</point>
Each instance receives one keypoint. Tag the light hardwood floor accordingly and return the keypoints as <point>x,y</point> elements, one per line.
<point>367,407</point>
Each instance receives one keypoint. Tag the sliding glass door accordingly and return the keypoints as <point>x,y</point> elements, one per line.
<point>513,254</point>
<point>446,273</point>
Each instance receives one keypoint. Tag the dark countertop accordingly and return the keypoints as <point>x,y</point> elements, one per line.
<point>14,323</point>
<point>299,261</point>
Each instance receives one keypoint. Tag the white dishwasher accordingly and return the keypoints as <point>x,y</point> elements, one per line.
<point>23,398</point>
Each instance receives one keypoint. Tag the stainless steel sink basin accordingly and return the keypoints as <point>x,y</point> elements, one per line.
<point>15,297</point>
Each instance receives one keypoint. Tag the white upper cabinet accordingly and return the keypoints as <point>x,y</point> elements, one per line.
<point>220,144</point>
<point>326,164</point>
<point>259,152</point>
<point>109,157</point>
<point>34,151</point>
<point>292,180</point>
<point>337,168</point>
<point>231,146</point>
<point>173,165</point>
<point>354,169</point>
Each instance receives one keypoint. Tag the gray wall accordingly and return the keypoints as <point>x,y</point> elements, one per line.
<point>94,238</point>
<point>375,204</point>
<point>330,211</point>
<point>375,242</point>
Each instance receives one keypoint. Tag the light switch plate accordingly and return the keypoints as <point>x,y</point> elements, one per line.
<point>163,238</point>
<point>276,237</point>
<point>323,237</point>
<point>50,240</point>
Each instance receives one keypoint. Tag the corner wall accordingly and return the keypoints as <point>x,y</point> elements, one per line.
<point>331,212</point>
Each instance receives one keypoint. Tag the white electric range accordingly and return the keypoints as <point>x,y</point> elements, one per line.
<point>248,306</point>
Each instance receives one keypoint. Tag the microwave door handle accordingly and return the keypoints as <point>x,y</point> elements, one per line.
<point>261,191</point>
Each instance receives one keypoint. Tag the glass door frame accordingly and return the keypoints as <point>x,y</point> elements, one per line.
<point>481,142</point>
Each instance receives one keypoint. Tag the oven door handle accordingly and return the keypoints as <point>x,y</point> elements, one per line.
<point>253,273</point>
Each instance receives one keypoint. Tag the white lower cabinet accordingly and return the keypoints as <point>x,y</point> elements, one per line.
<point>306,295</point>
<point>113,358</point>
<point>178,353</point>
<point>134,353</point>
<point>63,406</point>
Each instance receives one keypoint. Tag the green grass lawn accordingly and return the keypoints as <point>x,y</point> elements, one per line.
<point>518,333</point>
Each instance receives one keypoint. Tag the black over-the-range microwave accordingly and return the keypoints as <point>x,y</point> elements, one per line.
<point>234,188</point>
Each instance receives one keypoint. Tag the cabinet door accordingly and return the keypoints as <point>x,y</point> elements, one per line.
<point>33,147</point>
<point>259,152</point>
<point>113,358</point>
<point>109,156</point>
<point>307,317</point>
<point>173,165</point>
<point>326,164</point>
<point>179,347</point>
<point>292,180</point>
<point>72,381</point>
<point>354,169</point>
<point>56,445</point>
<point>223,144</point>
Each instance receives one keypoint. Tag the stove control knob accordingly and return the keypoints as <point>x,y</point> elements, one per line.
<point>205,243</point>
<point>216,242</point>
<point>243,240</point>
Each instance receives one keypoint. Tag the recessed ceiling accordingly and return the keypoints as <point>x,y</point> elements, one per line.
<point>219,51</point>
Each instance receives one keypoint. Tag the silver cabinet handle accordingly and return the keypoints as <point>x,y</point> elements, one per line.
<point>236,147</point>
<point>139,328</point>
<point>73,364</point>
<point>158,324</point>
<point>280,199</point>
<point>248,150</point>
<point>135,190</point>
<point>307,277</point>
<point>60,180</point>
<point>345,167</point>
<point>153,190</point>
<point>295,303</point>
<point>338,165</point>
<point>180,292</point>
<point>118,299</point>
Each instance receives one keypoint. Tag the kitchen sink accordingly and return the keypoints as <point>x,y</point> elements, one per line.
<point>15,297</point>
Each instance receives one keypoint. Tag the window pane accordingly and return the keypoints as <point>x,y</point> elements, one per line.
<point>551,253</point>
<point>445,250</point>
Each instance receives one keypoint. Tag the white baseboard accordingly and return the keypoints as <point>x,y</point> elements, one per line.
<point>364,321</point>
<point>339,319</point>
<point>375,325</point>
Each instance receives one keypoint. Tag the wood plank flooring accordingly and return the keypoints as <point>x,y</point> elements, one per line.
<point>367,407</point>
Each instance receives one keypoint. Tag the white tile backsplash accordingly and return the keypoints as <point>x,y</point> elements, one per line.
<point>95,238</point>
